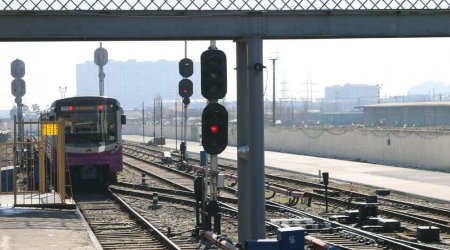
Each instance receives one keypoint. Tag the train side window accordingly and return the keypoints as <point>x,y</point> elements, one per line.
<point>123,119</point>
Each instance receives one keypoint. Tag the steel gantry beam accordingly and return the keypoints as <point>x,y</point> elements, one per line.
<point>194,25</point>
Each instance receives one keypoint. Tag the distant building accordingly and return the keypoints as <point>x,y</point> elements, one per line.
<point>344,98</point>
<point>352,92</point>
<point>134,82</point>
<point>413,114</point>
<point>431,89</point>
<point>5,114</point>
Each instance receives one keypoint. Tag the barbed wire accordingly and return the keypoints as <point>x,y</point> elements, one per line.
<point>428,133</point>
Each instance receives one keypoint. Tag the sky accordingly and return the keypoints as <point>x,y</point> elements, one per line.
<point>396,63</point>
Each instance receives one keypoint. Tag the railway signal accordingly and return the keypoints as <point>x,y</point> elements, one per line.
<point>18,87</point>
<point>186,67</point>
<point>214,128</point>
<point>17,69</point>
<point>101,59</point>
<point>101,56</point>
<point>214,123</point>
<point>213,74</point>
<point>185,88</point>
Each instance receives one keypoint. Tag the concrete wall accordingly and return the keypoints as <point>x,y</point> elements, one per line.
<point>418,149</point>
<point>408,148</point>
<point>168,131</point>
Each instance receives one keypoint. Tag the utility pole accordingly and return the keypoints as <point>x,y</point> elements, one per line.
<point>273,58</point>
<point>154,118</point>
<point>161,105</point>
<point>143,124</point>
<point>62,90</point>
<point>379,86</point>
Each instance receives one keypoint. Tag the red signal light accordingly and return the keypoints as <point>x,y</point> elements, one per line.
<point>100,107</point>
<point>185,88</point>
<point>214,129</point>
<point>70,108</point>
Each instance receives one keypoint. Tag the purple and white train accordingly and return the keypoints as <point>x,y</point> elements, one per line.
<point>93,135</point>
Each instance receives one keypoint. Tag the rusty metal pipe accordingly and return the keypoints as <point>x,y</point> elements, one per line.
<point>217,241</point>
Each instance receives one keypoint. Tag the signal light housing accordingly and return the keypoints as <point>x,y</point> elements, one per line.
<point>214,128</point>
<point>325,177</point>
<point>213,74</point>
<point>185,88</point>
<point>186,67</point>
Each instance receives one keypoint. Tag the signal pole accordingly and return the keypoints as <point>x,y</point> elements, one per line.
<point>214,123</point>
<point>185,90</point>
<point>101,59</point>
<point>18,89</point>
<point>176,125</point>
<point>274,58</point>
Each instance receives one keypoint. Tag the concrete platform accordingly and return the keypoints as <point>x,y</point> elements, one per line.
<point>33,228</point>
<point>420,183</point>
<point>30,199</point>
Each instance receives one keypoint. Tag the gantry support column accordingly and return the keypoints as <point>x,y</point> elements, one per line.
<point>243,169</point>
<point>250,107</point>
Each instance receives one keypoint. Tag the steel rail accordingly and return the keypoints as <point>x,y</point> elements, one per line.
<point>232,211</point>
<point>433,209</point>
<point>416,219</point>
<point>164,240</point>
<point>158,177</point>
<point>377,237</point>
<point>170,191</point>
<point>296,193</point>
<point>353,194</point>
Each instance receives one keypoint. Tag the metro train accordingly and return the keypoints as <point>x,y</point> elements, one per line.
<point>93,136</point>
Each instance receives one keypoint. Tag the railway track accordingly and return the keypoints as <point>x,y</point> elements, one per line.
<point>109,219</point>
<point>178,178</point>
<point>335,236</point>
<point>311,187</point>
<point>441,214</point>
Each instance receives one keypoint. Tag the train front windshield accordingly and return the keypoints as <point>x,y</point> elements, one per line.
<point>89,125</point>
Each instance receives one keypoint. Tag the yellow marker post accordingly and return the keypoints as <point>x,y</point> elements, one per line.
<point>41,167</point>
<point>61,149</point>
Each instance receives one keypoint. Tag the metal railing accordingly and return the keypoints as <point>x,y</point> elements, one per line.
<point>221,5</point>
<point>38,178</point>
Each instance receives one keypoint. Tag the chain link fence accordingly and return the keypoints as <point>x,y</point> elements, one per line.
<point>224,5</point>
